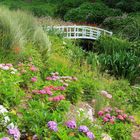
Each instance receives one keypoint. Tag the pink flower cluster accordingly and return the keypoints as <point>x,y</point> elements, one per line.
<point>111,115</point>
<point>48,89</point>
<point>57,98</point>
<point>8,67</point>
<point>33,68</point>
<point>63,79</point>
<point>53,77</point>
<point>34,79</point>
<point>43,91</point>
<point>106,94</point>
<point>60,88</point>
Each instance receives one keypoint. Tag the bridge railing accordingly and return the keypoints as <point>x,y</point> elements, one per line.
<point>85,32</point>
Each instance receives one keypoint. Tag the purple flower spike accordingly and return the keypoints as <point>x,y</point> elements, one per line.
<point>90,135</point>
<point>83,128</point>
<point>52,126</point>
<point>71,124</point>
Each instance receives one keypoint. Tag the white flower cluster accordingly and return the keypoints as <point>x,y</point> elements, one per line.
<point>8,67</point>
<point>6,121</point>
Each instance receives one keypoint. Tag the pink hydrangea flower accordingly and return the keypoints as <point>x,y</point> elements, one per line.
<point>124,116</point>
<point>61,97</point>
<point>100,113</point>
<point>42,91</point>
<point>33,68</point>
<point>49,78</point>
<point>118,111</point>
<point>56,98</point>
<point>48,91</point>
<point>112,120</point>
<point>9,65</point>
<point>62,88</point>
<point>105,119</point>
<point>108,116</point>
<point>33,79</point>
<point>120,117</point>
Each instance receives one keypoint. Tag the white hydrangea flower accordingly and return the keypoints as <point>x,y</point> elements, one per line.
<point>13,72</point>
<point>11,126</point>
<point>3,110</point>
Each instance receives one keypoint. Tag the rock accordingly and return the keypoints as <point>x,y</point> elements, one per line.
<point>136,135</point>
<point>106,137</point>
<point>82,110</point>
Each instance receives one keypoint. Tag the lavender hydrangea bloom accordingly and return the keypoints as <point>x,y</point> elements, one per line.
<point>52,125</point>
<point>71,124</point>
<point>90,135</point>
<point>15,132</point>
<point>5,138</point>
<point>83,128</point>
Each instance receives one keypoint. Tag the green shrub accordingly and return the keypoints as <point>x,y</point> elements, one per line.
<point>118,58</point>
<point>124,5</point>
<point>10,93</point>
<point>91,13</point>
<point>109,45</point>
<point>119,131</point>
<point>66,5</point>
<point>126,26</point>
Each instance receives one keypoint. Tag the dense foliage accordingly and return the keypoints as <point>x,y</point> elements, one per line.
<point>91,13</point>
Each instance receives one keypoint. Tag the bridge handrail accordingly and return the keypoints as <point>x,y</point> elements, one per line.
<point>83,32</point>
<point>90,27</point>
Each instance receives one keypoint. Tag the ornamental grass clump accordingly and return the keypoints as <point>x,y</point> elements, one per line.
<point>18,29</point>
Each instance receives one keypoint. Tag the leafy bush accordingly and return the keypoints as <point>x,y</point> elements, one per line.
<point>119,131</point>
<point>66,5</point>
<point>10,94</point>
<point>117,57</point>
<point>124,5</point>
<point>91,13</point>
<point>126,26</point>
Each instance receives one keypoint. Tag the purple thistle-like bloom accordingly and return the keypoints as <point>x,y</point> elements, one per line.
<point>5,138</point>
<point>90,135</point>
<point>83,128</point>
<point>71,124</point>
<point>52,126</point>
<point>15,132</point>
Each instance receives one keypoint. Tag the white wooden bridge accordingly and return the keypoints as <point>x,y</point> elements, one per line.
<point>80,32</point>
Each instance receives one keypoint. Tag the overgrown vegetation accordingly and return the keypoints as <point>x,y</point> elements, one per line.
<point>44,76</point>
